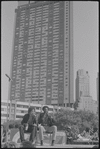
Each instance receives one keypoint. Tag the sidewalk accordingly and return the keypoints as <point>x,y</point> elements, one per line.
<point>62,146</point>
<point>65,146</point>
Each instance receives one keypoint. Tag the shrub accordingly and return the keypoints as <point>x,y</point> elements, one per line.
<point>78,120</point>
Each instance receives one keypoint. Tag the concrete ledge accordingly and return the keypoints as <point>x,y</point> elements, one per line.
<point>60,138</point>
<point>61,146</point>
<point>65,146</point>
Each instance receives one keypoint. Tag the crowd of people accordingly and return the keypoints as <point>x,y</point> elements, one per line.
<point>91,134</point>
<point>44,123</point>
<point>87,134</point>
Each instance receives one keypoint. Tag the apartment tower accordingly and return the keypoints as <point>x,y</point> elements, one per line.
<point>97,86</point>
<point>42,63</point>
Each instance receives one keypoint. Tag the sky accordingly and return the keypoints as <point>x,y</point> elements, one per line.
<point>85,42</point>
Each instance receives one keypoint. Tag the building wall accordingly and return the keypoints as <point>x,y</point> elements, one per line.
<point>97,87</point>
<point>71,72</point>
<point>87,104</point>
<point>19,109</point>
<point>42,65</point>
<point>4,111</point>
<point>77,89</point>
<point>68,53</point>
<point>82,84</point>
<point>20,3</point>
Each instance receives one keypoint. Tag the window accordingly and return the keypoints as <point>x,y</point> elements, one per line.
<point>23,111</point>
<point>4,104</point>
<point>48,95</point>
<point>5,115</point>
<point>3,109</point>
<point>19,116</point>
<point>50,109</point>
<point>12,111</point>
<point>21,106</point>
<point>38,108</point>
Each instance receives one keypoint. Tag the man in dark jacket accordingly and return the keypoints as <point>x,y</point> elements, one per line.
<point>46,123</point>
<point>29,124</point>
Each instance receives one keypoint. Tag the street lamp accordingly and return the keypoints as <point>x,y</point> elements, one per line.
<point>8,96</point>
<point>8,112</point>
<point>8,77</point>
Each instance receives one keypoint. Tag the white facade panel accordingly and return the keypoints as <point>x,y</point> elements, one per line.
<point>20,3</point>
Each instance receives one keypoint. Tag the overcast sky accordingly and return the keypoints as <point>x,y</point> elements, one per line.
<point>85,41</point>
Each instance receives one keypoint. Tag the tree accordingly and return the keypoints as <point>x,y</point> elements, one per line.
<point>76,119</point>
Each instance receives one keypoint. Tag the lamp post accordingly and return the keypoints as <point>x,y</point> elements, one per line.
<point>8,112</point>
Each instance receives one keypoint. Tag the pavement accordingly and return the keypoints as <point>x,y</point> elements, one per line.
<point>65,146</point>
<point>61,146</point>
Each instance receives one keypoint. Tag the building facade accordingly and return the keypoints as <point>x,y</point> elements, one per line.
<point>82,84</point>
<point>97,88</point>
<point>42,64</point>
<point>19,109</point>
<point>87,104</point>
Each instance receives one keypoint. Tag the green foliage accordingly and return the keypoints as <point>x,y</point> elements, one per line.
<point>78,120</point>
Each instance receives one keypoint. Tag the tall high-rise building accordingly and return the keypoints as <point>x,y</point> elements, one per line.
<point>42,64</point>
<point>82,84</point>
<point>97,87</point>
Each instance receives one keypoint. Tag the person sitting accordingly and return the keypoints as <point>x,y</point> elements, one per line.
<point>95,135</point>
<point>69,135</point>
<point>83,133</point>
<point>46,123</point>
<point>87,135</point>
<point>29,124</point>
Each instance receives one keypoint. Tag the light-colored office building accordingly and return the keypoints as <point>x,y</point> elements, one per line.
<point>42,64</point>
<point>82,84</point>
<point>87,104</point>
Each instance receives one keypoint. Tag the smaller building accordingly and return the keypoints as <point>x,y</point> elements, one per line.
<point>82,84</point>
<point>87,104</point>
<point>97,88</point>
<point>16,110</point>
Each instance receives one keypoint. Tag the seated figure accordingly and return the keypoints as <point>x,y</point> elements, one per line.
<point>29,125</point>
<point>46,123</point>
<point>69,135</point>
<point>83,133</point>
<point>95,136</point>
